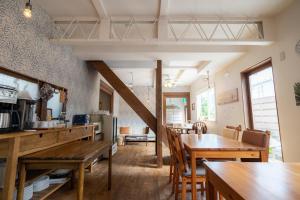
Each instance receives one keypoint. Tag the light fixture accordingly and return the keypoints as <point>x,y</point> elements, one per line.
<point>130,85</point>
<point>148,97</point>
<point>208,81</point>
<point>27,10</point>
<point>169,83</point>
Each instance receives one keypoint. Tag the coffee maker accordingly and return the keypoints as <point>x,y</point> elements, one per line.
<point>9,116</point>
<point>27,110</point>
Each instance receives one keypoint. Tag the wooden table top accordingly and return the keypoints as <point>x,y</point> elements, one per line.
<point>38,131</point>
<point>213,142</point>
<point>260,180</point>
<point>76,151</point>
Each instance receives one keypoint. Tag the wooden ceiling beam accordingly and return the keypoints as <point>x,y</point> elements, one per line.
<point>125,93</point>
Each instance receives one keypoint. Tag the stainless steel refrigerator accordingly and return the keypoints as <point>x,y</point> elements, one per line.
<point>109,129</point>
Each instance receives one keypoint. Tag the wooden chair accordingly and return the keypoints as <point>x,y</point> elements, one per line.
<point>232,132</point>
<point>177,130</point>
<point>258,138</point>
<point>182,170</point>
<point>200,127</point>
<point>172,159</point>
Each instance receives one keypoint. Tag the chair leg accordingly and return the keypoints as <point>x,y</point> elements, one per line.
<point>183,189</point>
<point>22,182</point>
<point>171,171</point>
<point>176,185</point>
<point>202,188</point>
<point>220,196</point>
<point>174,180</point>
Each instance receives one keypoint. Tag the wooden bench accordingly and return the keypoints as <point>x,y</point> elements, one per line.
<point>77,156</point>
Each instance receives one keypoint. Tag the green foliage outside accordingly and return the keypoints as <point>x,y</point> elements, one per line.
<point>297,93</point>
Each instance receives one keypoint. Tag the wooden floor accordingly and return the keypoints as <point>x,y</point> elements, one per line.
<point>135,177</point>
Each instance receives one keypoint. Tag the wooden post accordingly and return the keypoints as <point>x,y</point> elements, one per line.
<point>159,113</point>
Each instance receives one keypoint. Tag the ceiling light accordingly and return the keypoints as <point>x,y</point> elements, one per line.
<point>27,10</point>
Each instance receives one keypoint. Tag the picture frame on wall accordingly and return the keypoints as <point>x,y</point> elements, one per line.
<point>297,93</point>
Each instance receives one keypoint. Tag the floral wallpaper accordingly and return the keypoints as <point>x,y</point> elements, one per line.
<point>26,48</point>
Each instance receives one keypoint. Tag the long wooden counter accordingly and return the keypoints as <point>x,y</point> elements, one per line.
<point>14,145</point>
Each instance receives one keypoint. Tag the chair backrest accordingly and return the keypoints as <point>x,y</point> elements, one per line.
<point>258,138</point>
<point>200,127</point>
<point>168,131</point>
<point>179,153</point>
<point>177,130</point>
<point>232,132</point>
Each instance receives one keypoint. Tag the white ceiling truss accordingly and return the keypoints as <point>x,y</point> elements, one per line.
<point>146,29</point>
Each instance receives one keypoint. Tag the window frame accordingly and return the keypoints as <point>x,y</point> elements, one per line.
<point>176,95</point>
<point>246,94</point>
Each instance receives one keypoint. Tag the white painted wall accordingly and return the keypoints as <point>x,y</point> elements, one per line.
<point>286,73</point>
<point>127,117</point>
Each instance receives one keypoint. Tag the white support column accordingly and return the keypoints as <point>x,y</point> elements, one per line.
<point>162,29</point>
<point>104,32</point>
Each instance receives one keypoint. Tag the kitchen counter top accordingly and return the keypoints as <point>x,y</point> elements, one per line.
<point>38,131</point>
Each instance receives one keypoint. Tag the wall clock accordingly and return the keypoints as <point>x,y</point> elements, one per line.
<point>298,47</point>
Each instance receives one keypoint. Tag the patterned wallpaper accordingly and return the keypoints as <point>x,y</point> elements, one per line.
<point>25,47</point>
<point>127,117</point>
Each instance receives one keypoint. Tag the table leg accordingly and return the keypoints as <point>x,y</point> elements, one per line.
<point>80,181</point>
<point>109,168</point>
<point>264,156</point>
<point>194,186</point>
<point>11,168</point>
<point>22,182</point>
<point>210,191</point>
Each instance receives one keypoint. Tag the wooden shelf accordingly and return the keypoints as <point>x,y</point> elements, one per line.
<point>33,175</point>
<point>47,192</point>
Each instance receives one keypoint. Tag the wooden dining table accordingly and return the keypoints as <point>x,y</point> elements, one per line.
<point>213,146</point>
<point>259,181</point>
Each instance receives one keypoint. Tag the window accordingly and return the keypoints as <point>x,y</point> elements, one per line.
<point>206,106</point>
<point>262,107</point>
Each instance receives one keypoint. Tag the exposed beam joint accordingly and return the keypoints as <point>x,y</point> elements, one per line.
<point>99,6</point>
<point>164,8</point>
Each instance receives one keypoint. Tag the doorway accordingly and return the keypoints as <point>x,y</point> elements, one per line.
<point>262,106</point>
<point>106,99</point>
<point>176,108</point>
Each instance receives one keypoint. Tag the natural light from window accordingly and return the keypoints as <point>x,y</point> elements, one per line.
<point>265,110</point>
<point>206,105</point>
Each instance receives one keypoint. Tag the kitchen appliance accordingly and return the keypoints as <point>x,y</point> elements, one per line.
<point>81,119</point>
<point>8,94</point>
<point>9,117</point>
<point>9,120</point>
<point>109,130</point>
<point>27,110</point>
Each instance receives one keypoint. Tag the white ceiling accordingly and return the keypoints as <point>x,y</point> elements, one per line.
<point>190,68</point>
<point>222,8</point>
<point>191,64</point>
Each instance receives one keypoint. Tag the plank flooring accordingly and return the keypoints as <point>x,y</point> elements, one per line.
<point>135,177</point>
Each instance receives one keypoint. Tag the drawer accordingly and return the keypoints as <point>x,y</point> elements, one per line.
<point>87,131</point>
<point>68,135</point>
<point>37,141</point>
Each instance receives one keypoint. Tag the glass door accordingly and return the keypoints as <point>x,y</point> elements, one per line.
<point>264,108</point>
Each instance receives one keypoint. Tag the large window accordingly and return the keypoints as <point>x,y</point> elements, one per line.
<point>262,108</point>
<point>206,105</point>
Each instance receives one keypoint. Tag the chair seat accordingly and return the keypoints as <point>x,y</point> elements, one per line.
<point>200,171</point>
